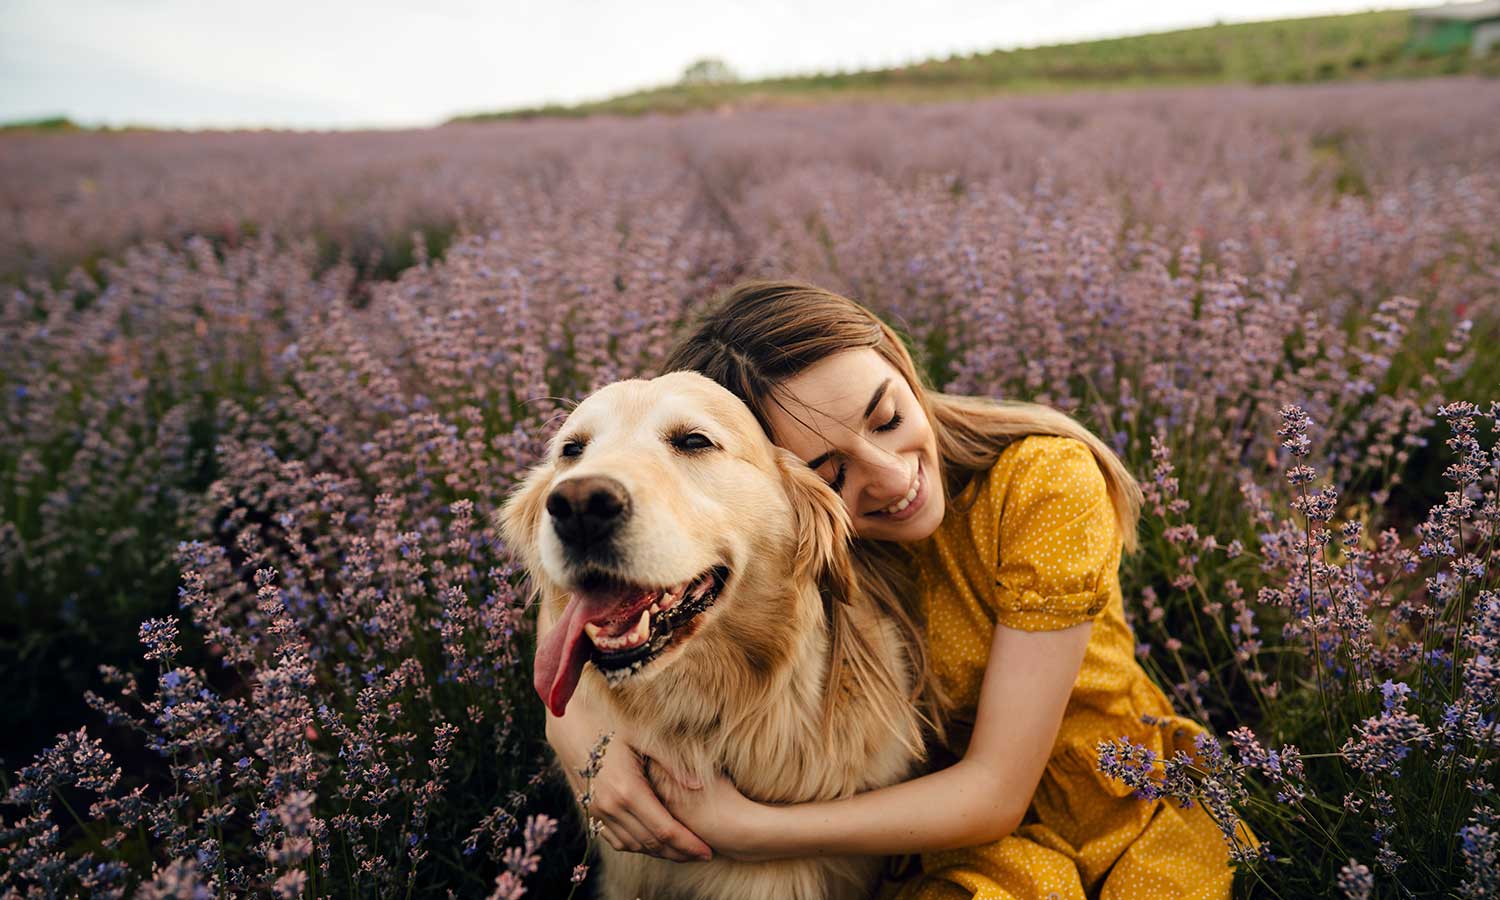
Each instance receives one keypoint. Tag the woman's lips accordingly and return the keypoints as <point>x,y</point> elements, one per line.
<point>914,506</point>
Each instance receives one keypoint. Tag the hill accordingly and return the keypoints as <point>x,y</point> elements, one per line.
<point>1362,46</point>
<point>53,123</point>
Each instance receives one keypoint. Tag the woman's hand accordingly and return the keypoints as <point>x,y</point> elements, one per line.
<point>634,818</point>
<point>717,812</point>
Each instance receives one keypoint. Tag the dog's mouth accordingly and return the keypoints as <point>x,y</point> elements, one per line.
<point>626,626</point>
<point>626,642</point>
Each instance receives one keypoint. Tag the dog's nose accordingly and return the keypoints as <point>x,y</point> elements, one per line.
<point>589,509</point>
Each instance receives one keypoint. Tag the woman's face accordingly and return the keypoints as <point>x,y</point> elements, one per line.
<point>863,432</point>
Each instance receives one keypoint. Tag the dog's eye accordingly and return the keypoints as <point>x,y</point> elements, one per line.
<point>572,448</point>
<point>692,441</point>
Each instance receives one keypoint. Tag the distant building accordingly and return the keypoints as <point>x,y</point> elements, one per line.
<point>1443,29</point>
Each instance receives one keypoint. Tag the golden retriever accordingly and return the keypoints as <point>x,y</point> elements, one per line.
<point>687,571</point>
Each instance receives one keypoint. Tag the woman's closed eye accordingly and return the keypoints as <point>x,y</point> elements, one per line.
<point>837,484</point>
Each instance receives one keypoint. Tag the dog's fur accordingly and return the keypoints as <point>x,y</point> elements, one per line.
<point>742,690</point>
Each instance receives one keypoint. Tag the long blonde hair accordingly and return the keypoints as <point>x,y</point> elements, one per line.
<point>762,332</point>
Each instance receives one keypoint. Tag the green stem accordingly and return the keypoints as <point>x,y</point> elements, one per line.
<point>74,813</point>
<point>1229,642</point>
<point>1317,651</point>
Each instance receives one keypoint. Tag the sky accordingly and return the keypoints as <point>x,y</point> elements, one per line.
<point>337,64</point>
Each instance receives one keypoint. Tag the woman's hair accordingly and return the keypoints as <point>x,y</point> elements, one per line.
<point>761,333</point>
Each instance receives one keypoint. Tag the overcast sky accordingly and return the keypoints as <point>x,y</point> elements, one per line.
<point>381,63</point>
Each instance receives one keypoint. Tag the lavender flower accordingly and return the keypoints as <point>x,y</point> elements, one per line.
<point>261,463</point>
<point>1355,881</point>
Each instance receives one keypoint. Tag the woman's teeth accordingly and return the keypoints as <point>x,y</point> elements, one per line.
<point>904,502</point>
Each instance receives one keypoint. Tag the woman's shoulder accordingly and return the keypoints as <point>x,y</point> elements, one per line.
<point>1034,478</point>
<point>1054,531</point>
<point>1042,463</point>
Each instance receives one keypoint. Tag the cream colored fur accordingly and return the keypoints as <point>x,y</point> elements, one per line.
<point>743,693</point>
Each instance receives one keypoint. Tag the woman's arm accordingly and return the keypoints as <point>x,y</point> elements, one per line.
<point>980,799</point>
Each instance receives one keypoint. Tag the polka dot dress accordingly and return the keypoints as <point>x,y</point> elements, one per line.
<point>1039,549</point>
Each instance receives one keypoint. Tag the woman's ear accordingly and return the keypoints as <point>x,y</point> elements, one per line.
<point>822,527</point>
<point>520,515</point>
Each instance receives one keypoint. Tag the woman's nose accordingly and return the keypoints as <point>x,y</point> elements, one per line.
<point>890,477</point>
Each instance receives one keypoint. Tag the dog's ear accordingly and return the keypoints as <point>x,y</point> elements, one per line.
<point>824,532</point>
<point>520,515</point>
<point>822,527</point>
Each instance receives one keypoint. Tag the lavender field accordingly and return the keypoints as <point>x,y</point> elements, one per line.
<point>261,393</point>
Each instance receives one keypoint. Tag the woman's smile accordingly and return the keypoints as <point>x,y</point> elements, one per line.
<point>909,504</point>
<point>858,423</point>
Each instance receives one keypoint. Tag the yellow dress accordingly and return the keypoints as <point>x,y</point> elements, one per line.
<point>1040,549</point>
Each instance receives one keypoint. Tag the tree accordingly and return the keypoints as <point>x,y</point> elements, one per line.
<point>710,70</point>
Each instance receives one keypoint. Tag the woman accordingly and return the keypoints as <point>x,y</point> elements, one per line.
<point>993,533</point>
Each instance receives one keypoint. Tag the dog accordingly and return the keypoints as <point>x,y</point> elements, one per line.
<point>689,574</point>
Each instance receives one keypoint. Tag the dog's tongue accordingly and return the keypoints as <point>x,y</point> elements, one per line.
<point>561,654</point>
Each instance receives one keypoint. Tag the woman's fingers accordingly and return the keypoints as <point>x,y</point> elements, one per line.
<point>630,844</point>
<point>642,823</point>
<point>657,840</point>
<point>655,815</point>
<point>608,833</point>
<point>633,816</point>
<point>666,837</point>
<point>685,779</point>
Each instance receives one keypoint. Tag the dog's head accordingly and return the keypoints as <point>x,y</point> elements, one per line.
<point>661,519</point>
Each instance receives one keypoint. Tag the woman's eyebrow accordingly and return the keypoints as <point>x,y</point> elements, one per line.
<point>874,401</point>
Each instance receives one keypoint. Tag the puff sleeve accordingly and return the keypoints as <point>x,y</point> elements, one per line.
<point>1059,541</point>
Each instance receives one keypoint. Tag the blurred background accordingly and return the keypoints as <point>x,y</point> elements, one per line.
<point>281,64</point>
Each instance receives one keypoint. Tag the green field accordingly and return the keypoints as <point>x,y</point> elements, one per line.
<point>1363,46</point>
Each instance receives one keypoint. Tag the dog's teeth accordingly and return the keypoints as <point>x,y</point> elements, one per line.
<point>637,635</point>
<point>642,629</point>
